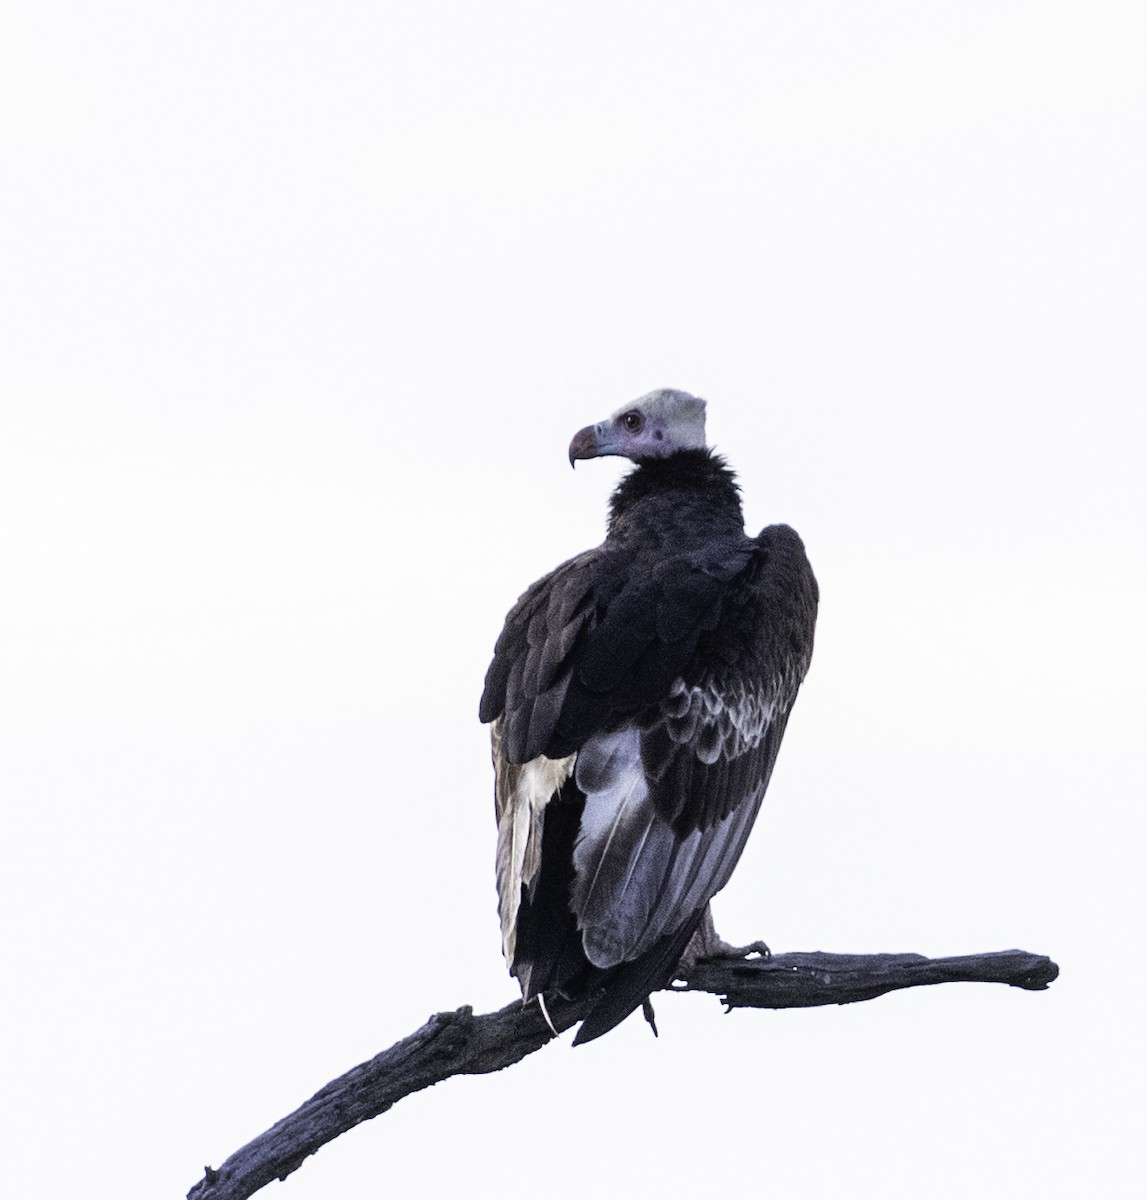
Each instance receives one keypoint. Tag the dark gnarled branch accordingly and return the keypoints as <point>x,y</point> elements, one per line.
<point>460,1043</point>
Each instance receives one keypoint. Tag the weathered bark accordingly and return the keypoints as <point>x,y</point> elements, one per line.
<point>460,1043</point>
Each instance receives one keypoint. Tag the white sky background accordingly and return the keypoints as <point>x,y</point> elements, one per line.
<point>301,305</point>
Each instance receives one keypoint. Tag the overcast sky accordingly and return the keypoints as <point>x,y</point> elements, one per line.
<point>300,305</point>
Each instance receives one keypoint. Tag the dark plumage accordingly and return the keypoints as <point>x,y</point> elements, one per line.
<point>638,695</point>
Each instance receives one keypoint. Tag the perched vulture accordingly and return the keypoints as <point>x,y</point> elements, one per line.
<point>638,696</point>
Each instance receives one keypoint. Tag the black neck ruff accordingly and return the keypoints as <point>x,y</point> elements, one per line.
<point>701,474</point>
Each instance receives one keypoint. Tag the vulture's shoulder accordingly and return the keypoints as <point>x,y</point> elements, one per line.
<point>780,549</point>
<point>786,587</point>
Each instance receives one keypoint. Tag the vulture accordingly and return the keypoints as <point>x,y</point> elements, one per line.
<point>637,698</point>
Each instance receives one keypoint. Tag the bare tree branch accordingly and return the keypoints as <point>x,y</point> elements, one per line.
<point>802,980</point>
<point>460,1043</point>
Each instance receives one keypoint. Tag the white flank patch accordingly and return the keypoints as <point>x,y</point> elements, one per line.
<point>522,794</point>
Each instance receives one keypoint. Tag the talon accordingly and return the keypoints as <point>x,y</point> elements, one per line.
<point>706,943</point>
<point>760,948</point>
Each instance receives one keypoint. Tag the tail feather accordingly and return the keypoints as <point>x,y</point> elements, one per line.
<point>631,983</point>
<point>548,950</point>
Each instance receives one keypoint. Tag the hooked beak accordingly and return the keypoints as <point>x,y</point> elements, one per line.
<point>584,444</point>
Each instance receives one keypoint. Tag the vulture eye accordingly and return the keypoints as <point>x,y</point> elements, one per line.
<point>633,422</point>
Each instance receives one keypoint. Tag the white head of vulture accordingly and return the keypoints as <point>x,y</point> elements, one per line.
<point>655,426</point>
<point>637,699</point>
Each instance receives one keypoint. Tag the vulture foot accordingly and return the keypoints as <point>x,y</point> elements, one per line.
<point>706,943</point>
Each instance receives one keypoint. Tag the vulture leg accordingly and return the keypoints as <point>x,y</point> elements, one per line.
<point>707,943</point>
